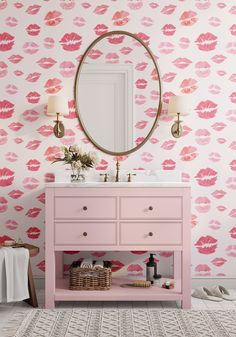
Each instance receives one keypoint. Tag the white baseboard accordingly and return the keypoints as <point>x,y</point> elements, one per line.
<point>228,282</point>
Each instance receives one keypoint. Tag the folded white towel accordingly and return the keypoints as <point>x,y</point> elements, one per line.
<point>99,264</point>
<point>16,274</point>
<point>3,286</point>
<point>87,263</point>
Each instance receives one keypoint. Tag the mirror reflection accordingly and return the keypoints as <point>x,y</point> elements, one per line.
<point>117,92</point>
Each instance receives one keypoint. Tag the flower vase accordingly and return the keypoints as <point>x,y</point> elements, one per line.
<point>77,176</point>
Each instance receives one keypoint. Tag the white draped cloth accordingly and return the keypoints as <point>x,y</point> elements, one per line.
<point>14,264</point>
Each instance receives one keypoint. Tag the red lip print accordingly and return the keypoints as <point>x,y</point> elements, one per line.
<point>232,165</point>
<point>120,18</point>
<point>218,58</point>
<point>103,165</point>
<point>46,62</point>
<point>11,224</point>
<point>3,69</point>
<point>168,164</point>
<point>18,140</point>
<point>166,254</point>
<point>168,10</point>
<point>33,29</point>
<point>3,205</point>
<point>206,177</point>
<point>52,86</point>
<point>33,77</point>
<point>18,72</point>
<point>33,165</point>
<point>30,115</point>
<point>18,208</point>
<point>218,194</point>
<point>101,9</point>
<point>41,198</point>
<point>79,21</point>
<point>33,233</point>
<point>71,41</point>
<point>232,29</point>
<point>233,97</point>
<point>6,41</point>
<point>67,69</point>
<point>94,54</point>
<point>11,157</point>
<point>141,83</point>
<point>15,126</point>
<point>202,204</point>
<point>206,245</point>
<point>98,254</point>
<point>3,137</point>
<point>45,130</point>
<point>53,18</point>
<point>116,266</point>
<point>15,58</point>
<point>33,97</point>
<point>138,252</point>
<point>135,270</point>
<point>188,153</point>
<point>168,29</point>
<point>6,109</point>
<point>182,62</point>
<point>15,194</point>
<point>188,18</point>
<point>41,265</point>
<point>6,177</point>
<point>52,153</point>
<point>33,212</point>
<point>49,177</point>
<point>100,29</point>
<point>168,145</point>
<point>33,144</point>
<point>218,261</point>
<point>233,233</point>
<point>30,183</point>
<point>194,220</point>
<point>206,109</point>
<point>188,86</point>
<point>5,238</point>
<point>34,9</point>
<point>141,124</point>
<point>206,42</point>
<point>202,270</point>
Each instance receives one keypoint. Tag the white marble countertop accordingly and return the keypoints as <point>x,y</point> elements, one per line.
<point>119,184</point>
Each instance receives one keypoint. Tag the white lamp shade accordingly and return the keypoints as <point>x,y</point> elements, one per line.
<point>178,104</point>
<point>57,104</point>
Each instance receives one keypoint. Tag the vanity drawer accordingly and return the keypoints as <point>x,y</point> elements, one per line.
<point>92,233</point>
<point>85,208</point>
<point>151,208</point>
<point>147,233</point>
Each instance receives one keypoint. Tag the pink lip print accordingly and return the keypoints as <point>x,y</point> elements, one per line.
<point>33,144</point>
<point>94,54</point>
<point>202,204</point>
<point>3,4</point>
<point>15,58</point>
<point>100,29</point>
<point>6,41</point>
<point>168,164</point>
<point>53,18</point>
<point>141,124</point>
<point>232,29</point>
<point>33,233</point>
<point>112,58</point>
<point>33,29</point>
<point>33,212</point>
<point>188,153</point>
<point>168,29</point>
<point>6,177</point>
<point>30,115</point>
<point>151,112</point>
<point>52,153</point>
<point>68,4</point>
<point>202,270</point>
<point>33,77</point>
<point>49,42</point>
<point>218,58</point>
<point>46,62</point>
<point>188,86</point>
<point>232,165</point>
<point>135,5</point>
<point>101,9</point>
<point>168,10</point>
<point>41,265</point>
<point>214,21</point>
<point>233,97</point>
<point>71,41</point>
<point>218,194</point>
<point>166,254</point>
<point>182,62</point>
<point>11,89</point>
<point>231,183</point>
<point>33,97</point>
<point>233,233</point>
<point>72,113</point>
<point>41,198</point>
<point>188,18</point>
<point>30,183</point>
<point>146,21</point>
<point>231,48</point>
<point>11,224</point>
<point>194,220</point>
<point>218,261</point>
<point>206,245</point>
<point>202,136</point>
<point>53,85</point>
<point>203,69</point>
<point>11,157</point>
<point>206,177</point>
<point>79,21</point>
<point>3,205</point>
<point>6,109</point>
<point>116,39</point>
<point>15,126</point>
<point>98,254</point>
<point>214,157</point>
<point>18,72</point>
<point>168,144</point>
<point>168,77</point>
<point>18,208</point>
<point>140,99</point>
<point>231,115</point>
<point>184,42</point>
<point>221,208</point>
<point>69,137</point>
<point>147,157</point>
<point>214,224</point>
<point>45,130</point>
<point>120,18</point>
<point>141,83</point>
<point>18,140</point>
<point>15,194</point>
<point>4,238</point>
<point>30,48</point>
<point>103,165</point>
<point>135,270</point>
<point>33,165</point>
<point>214,89</point>
<point>205,4</point>
<point>206,109</point>
<point>231,250</point>
<point>232,146</point>
<point>166,47</point>
<point>206,42</point>
<point>3,137</point>
<point>34,9</point>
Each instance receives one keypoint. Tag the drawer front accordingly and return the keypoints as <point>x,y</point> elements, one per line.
<point>132,233</point>
<point>91,233</point>
<point>85,208</point>
<point>151,208</point>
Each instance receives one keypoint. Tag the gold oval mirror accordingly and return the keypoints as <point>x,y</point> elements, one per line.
<point>118,93</point>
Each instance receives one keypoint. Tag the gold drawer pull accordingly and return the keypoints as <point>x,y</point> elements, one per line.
<point>85,208</point>
<point>85,233</point>
<point>150,208</point>
<point>150,234</point>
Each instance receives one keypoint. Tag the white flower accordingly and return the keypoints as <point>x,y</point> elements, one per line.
<point>77,165</point>
<point>76,148</point>
<point>94,157</point>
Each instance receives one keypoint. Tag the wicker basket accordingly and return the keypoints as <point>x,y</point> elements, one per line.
<point>90,278</point>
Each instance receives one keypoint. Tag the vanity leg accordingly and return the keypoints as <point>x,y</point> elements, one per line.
<point>50,281</point>
<point>186,281</point>
<point>59,264</point>
<point>177,268</point>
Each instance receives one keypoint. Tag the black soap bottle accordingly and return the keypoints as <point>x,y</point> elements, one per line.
<point>151,268</point>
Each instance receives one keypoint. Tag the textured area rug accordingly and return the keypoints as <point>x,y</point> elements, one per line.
<point>122,323</point>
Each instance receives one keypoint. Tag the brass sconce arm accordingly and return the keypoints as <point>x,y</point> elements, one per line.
<point>59,130</point>
<point>176,128</point>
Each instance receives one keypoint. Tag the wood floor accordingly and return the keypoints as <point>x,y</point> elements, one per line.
<point>7,310</point>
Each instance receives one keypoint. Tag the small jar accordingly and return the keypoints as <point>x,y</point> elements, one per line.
<point>157,280</point>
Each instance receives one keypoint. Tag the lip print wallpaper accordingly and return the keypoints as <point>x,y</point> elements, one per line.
<point>41,43</point>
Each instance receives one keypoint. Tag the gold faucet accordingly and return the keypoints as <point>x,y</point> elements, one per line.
<point>105,177</point>
<point>130,175</point>
<point>117,171</point>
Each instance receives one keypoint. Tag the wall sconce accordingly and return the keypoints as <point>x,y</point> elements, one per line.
<point>57,105</point>
<point>177,106</point>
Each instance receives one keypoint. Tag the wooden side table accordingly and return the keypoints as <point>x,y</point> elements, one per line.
<point>33,250</point>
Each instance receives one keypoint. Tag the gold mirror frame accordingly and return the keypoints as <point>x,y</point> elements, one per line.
<point>116,32</point>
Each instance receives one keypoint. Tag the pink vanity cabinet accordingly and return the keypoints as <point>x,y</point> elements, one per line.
<point>118,217</point>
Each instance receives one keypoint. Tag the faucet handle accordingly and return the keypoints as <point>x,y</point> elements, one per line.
<point>130,175</point>
<point>105,176</point>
